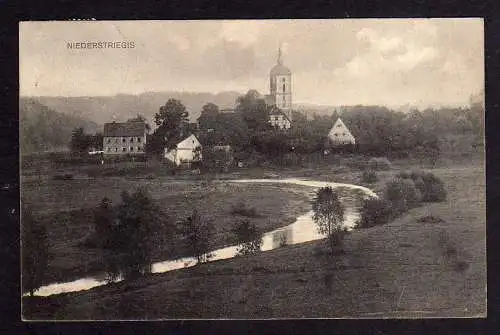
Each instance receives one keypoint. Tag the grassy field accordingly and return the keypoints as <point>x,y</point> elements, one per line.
<point>66,208</point>
<point>407,268</point>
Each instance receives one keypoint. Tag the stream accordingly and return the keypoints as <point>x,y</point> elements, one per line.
<point>302,230</point>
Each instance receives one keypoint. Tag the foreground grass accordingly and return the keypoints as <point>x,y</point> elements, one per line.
<point>406,268</point>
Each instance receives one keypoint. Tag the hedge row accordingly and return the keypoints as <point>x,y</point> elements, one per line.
<point>406,191</point>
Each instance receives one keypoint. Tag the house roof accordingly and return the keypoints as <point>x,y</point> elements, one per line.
<point>339,128</point>
<point>124,129</point>
<point>186,144</point>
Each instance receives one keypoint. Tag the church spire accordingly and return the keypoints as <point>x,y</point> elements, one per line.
<point>280,61</point>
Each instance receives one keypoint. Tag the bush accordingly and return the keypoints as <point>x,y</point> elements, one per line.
<point>242,210</point>
<point>430,219</point>
<point>374,212</point>
<point>248,237</point>
<point>379,164</point>
<point>402,194</point>
<point>369,176</point>
<point>66,176</point>
<point>431,187</point>
<point>434,188</point>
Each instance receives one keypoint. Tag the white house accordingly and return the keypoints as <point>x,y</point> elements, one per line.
<point>187,151</point>
<point>340,135</point>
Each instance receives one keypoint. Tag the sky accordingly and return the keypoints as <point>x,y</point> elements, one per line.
<point>333,62</point>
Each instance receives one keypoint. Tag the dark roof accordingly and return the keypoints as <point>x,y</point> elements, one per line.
<point>280,70</point>
<point>125,129</point>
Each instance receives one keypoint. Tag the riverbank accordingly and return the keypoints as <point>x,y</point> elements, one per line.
<point>407,268</point>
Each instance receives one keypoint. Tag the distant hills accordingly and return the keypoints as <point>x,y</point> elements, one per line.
<point>102,109</point>
<point>44,129</point>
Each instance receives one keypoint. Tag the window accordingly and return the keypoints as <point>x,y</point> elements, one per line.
<point>336,135</point>
<point>339,125</point>
<point>124,149</point>
<point>131,149</point>
<point>116,149</point>
<point>283,89</point>
<point>131,140</point>
<point>139,149</point>
<point>283,80</point>
<point>109,140</point>
<point>116,141</point>
<point>123,140</point>
<point>109,149</point>
<point>139,139</point>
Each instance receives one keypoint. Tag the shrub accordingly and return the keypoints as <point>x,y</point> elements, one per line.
<point>430,219</point>
<point>248,237</point>
<point>242,210</point>
<point>402,194</point>
<point>66,176</point>
<point>434,188</point>
<point>431,187</point>
<point>374,212</point>
<point>379,163</point>
<point>369,176</point>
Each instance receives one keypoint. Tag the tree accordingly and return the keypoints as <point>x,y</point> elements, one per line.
<point>328,213</point>
<point>35,252</point>
<point>173,122</point>
<point>140,118</point>
<point>95,141</point>
<point>254,110</point>
<point>198,233</point>
<point>209,116</point>
<point>143,230</point>
<point>104,217</point>
<point>80,142</point>
<point>248,237</point>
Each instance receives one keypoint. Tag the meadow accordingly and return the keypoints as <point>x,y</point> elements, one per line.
<point>430,262</point>
<point>66,208</point>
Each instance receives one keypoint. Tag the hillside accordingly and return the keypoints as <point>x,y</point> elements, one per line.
<point>43,129</point>
<point>101,109</point>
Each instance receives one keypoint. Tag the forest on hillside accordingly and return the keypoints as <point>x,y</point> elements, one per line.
<point>44,129</point>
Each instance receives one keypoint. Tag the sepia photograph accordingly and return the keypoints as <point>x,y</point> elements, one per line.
<point>252,169</point>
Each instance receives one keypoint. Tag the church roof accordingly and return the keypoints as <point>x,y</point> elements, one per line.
<point>280,70</point>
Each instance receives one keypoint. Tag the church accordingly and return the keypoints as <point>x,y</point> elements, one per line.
<point>280,94</point>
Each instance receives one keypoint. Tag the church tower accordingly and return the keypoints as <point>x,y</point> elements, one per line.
<point>281,86</point>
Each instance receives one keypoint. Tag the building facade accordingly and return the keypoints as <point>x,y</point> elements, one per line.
<point>124,138</point>
<point>340,134</point>
<point>280,86</point>
<point>279,120</point>
<point>186,152</point>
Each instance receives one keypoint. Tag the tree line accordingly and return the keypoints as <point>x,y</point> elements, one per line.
<point>377,130</point>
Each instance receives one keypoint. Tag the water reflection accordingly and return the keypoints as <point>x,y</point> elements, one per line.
<point>302,230</point>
